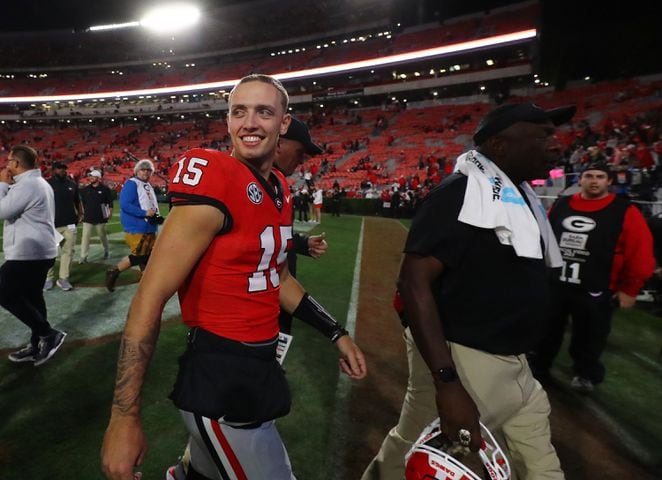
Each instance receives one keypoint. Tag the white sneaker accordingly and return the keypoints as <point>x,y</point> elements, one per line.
<point>82,261</point>
<point>48,285</point>
<point>64,284</point>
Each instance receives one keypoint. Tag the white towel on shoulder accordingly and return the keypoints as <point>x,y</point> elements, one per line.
<point>492,201</point>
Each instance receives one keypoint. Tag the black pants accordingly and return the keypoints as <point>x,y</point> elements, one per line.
<point>335,208</point>
<point>21,284</point>
<point>591,323</point>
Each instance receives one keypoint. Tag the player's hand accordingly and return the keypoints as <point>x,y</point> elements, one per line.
<point>352,361</point>
<point>457,410</point>
<point>124,447</point>
<point>625,300</point>
<point>150,213</point>
<point>317,245</point>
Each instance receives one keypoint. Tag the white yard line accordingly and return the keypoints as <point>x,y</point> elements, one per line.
<point>356,280</point>
<point>340,412</point>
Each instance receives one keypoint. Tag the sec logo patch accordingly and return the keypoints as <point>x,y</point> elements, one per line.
<point>254,193</point>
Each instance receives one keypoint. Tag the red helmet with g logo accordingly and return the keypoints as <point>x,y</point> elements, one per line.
<point>435,457</point>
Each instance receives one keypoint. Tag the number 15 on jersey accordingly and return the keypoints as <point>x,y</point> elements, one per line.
<point>265,274</point>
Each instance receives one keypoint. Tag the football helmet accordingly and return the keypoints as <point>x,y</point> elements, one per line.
<point>435,456</point>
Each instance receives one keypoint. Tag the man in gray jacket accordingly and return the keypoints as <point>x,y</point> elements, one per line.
<point>27,207</point>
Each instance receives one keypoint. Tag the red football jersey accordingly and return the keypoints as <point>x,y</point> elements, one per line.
<point>233,290</point>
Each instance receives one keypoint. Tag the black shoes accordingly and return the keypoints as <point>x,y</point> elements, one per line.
<point>48,346</point>
<point>111,278</point>
<point>42,352</point>
<point>25,354</point>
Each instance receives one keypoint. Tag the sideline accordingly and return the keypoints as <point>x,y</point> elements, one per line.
<point>338,447</point>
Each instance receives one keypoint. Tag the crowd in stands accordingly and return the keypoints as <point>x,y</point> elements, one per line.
<point>366,151</point>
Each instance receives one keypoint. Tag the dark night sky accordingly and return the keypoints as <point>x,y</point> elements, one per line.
<point>605,39</point>
<point>579,37</point>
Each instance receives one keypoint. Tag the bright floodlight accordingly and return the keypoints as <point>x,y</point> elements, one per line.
<point>113,26</point>
<point>170,18</point>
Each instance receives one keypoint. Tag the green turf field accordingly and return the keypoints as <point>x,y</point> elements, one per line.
<point>53,417</point>
<point>632,392</point>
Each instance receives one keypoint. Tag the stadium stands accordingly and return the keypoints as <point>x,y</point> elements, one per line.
<point>374,140</point>
<point>375,145</point>
<point>228,64</point>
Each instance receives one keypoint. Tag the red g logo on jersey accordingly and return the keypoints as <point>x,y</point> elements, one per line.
<point>254,193</point>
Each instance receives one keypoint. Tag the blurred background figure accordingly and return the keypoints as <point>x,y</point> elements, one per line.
<point>139,214</point>
<point>30,246</point>
<point>68,212</point>
<point>607,251</point>
<point>294,147</point>
<point>97,203</point>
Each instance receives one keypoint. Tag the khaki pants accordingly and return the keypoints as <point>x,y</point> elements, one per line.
<point>87,234</point>
<point>66,252</point>
<point>512,404</point>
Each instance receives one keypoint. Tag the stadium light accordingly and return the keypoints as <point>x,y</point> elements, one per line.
<point>435,52</point>
<point>113,26</point>
<point>171,18</point>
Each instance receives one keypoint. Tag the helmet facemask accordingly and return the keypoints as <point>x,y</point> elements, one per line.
<point>435,456</point>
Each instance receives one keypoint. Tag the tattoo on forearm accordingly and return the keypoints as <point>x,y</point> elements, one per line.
<point>133,359</point>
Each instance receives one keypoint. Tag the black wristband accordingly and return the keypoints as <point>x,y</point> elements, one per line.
<point>445,375</point>
<point>300,244</point>
<point>314,315</point>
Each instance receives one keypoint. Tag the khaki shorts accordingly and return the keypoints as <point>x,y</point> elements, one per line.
<point>141,244</point>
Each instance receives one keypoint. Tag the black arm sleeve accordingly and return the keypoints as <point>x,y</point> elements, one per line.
<point>314,315</point>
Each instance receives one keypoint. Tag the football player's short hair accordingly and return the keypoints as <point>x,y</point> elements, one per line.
<point>26,156</point>
<point>259,77</point>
